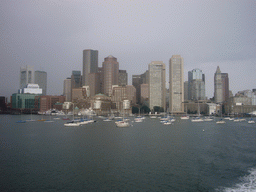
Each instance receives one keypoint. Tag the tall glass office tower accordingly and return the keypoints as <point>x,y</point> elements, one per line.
<point>196,85</point>
<point>90,64</point>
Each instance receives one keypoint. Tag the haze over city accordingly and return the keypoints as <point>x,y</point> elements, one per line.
<point>51,36</point>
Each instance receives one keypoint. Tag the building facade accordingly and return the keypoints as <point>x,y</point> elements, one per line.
<point>47,102</point>
<point>26,76</point>
<point>119,94</point>
<point>218,86</point>
<point>41,80</point>
<point>23,101</point>
<point>32,89</point>
<point>110,74</point>
<point>176,86</point>
<point>221,86</point>
<point>137,81</point>
<point>185,90</point>
<point>90,64</point>
<point>67,89</point>
<point>225,86</point>
<point>122,78</point>
<point>144,97</point>
<point>157,84</point>
<point>76,79</point>
<point>94,83</point>
<point>131,94</point>
<point>196,85</point>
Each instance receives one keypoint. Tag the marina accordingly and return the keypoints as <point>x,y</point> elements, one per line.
<point>146,156</point>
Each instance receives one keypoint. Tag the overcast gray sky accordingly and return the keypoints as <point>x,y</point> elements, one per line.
<point>51,35</point>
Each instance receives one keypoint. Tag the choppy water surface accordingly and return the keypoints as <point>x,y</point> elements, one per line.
<point>148,156</point>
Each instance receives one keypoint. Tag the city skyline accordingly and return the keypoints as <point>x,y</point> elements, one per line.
<point>52,36</point>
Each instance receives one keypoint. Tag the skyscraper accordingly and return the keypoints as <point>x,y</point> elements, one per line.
<point>225,86</point>
<point>157,84</point>
<point>176,86</point>
<point>186,90</point>
<point>122,78</point>
<point>76,79</point>
<point>26,76</point>
<point>94,83</point>
<point>41,80</point>
<point>67,89</point>
<point>90,64</point>
<point>110,74</point>
<point>137,81</point>
<point>196,85</point>
<point>218,91</point>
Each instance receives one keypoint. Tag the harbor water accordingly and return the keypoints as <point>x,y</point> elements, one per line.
<point>147,156</point>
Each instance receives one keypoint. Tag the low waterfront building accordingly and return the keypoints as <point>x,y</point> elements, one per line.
<point>23,101</point>
<point>47,102</point>
<point>101,104</point>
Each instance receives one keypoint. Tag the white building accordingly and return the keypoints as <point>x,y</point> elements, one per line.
<point>26,76</point>
<point>32,89</point>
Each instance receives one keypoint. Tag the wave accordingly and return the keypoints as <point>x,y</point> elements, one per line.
<point>247,183</point>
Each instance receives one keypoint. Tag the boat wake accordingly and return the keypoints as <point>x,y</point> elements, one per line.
<point>247,183</point>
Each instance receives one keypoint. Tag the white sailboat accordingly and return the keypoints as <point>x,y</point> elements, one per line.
<point>251,121</point>
<point>185,117</point>
<point>122,123</point>
<point>221,121</point>
<point>198,118</point>
<point>72,123</point>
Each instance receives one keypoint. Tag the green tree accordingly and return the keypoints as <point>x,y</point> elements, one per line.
<point>144,109</point>
<point>135,109</point>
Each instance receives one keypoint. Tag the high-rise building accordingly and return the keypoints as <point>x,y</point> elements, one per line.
<point>225,86</point>
<point>186,90</point>
<point>26,76</point>
<point>144,93</point>
<point>196,85</point>
<point>218,86</point>
<point>122,78</point>
<point>157,84</point>
<point>176,86</point>
<point>94,83</point>
<point>76,79</point>
<point>119,94</point>
<point>110,74</point>
<point>101,73</point>
<point>90,64</point>
<point>67,89</point>
<point>137,81</point>
<point>41,80</point>
<point>131,94</point>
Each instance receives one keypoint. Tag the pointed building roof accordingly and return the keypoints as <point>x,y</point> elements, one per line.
<point>218,70</point>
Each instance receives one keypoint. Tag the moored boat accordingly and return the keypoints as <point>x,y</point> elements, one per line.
<point>72,124</point>
<point>220,122</point>
<point>122,123</point>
